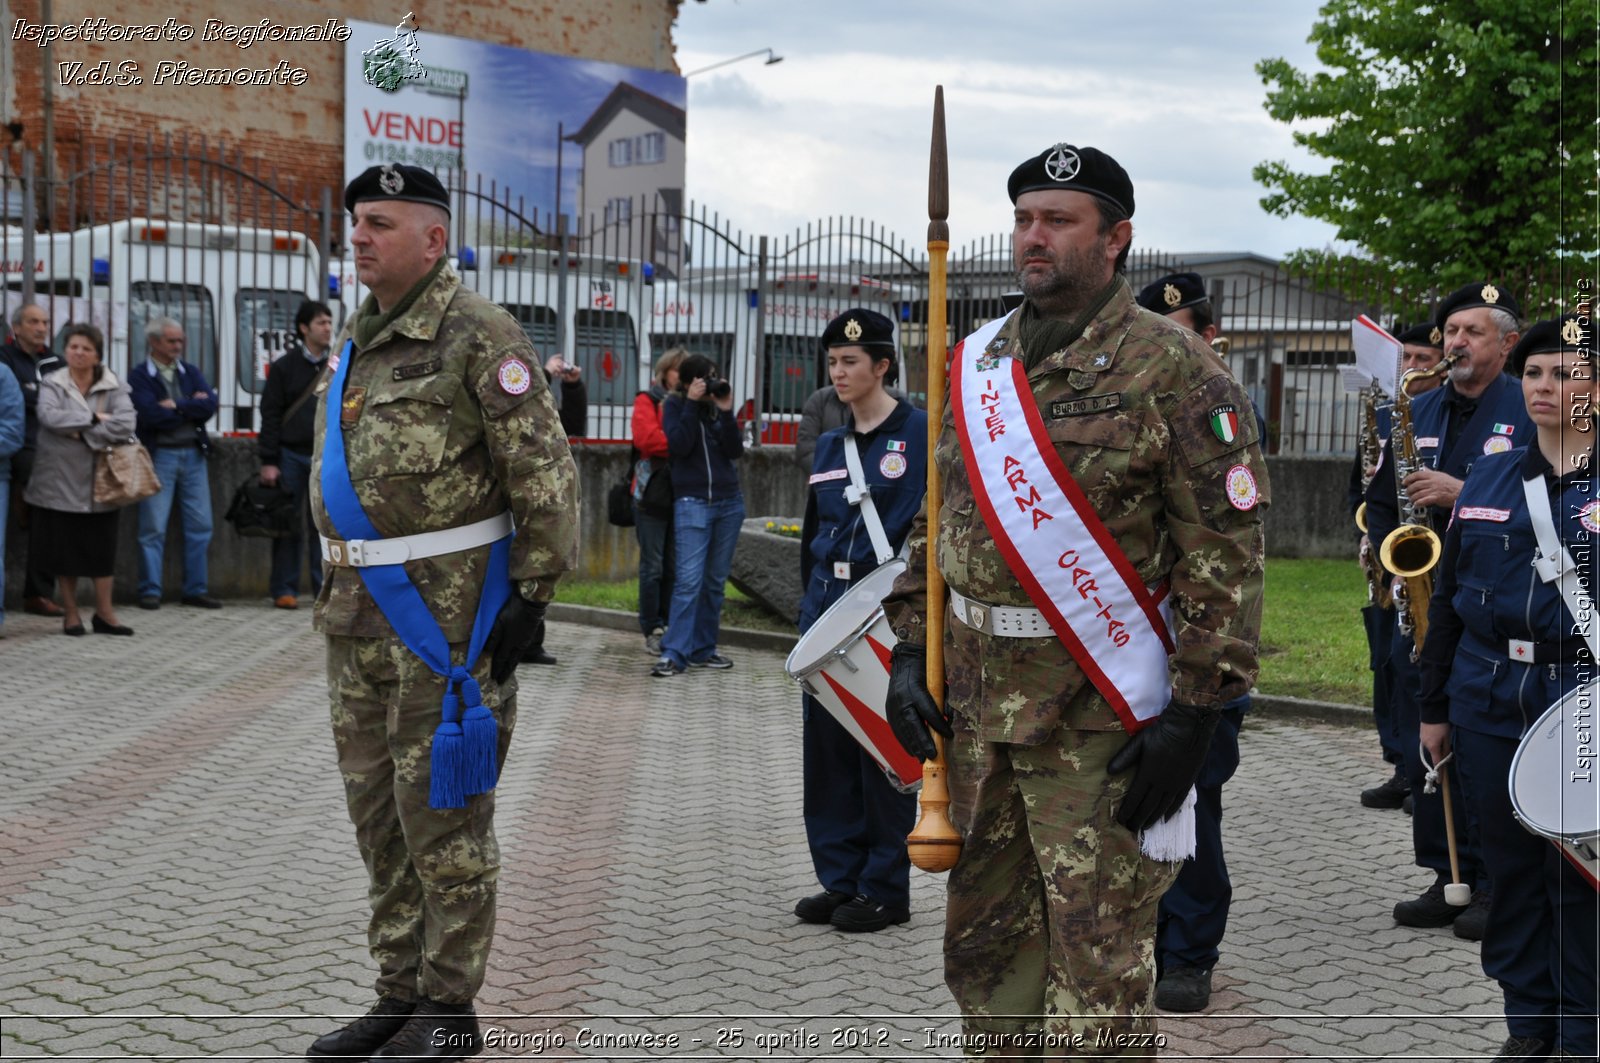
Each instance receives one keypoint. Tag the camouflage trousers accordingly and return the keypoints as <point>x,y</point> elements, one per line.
<point>1050,924</point>
<point>431,872</point>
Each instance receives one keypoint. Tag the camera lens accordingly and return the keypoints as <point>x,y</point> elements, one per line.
<point>719,389</point>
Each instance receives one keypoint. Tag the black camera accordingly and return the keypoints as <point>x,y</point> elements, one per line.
<point>719,389</point>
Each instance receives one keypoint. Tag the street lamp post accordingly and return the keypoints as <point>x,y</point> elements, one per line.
<point>768,52</point>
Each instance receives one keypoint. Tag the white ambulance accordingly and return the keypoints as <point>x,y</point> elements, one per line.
<point>722,316</point>
<point>235,290</point>
<point>592,313</point>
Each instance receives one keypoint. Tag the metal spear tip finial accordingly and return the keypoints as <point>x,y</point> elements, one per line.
<point>938,174</point>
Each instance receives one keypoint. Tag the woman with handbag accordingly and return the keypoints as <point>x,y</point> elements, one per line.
<point>652,501</point>
<point>83,409</point>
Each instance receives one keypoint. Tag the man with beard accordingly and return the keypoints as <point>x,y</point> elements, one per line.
<point>1101,538</point>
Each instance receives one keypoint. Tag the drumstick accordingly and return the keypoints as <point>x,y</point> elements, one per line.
<point>1457,892</point>
<point>934,844</point>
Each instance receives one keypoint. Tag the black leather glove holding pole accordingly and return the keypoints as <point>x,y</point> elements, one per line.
<point>1168,755</point>
<point>910,707</point>
<point>518,624</point>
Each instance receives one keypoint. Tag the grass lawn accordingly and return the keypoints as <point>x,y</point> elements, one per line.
<point>1312,644</point>
<point>1312,641</point>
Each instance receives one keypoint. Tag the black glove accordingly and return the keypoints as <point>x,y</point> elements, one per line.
<point>910,707</point>
<point>1169,754</point>
<point>519,623</point>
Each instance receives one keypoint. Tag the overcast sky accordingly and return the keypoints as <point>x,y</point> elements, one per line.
<point>841,126</point>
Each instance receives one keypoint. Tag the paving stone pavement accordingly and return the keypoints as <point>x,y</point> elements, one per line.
<point>178,878</point>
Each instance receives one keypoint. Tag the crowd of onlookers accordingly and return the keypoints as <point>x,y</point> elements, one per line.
<point>61,412</point>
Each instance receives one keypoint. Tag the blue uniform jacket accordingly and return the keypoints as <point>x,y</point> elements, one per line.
<point>702,449</point>
<point>1500,405</point>
<point>1487,593</point>
<point>147,391</point>
<point>894,461</point>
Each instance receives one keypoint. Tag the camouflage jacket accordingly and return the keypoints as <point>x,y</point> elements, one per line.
<point>1156,472</point>
<point>435,438</point>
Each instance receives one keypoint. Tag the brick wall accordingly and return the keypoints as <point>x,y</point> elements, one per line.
<point>298,129</point>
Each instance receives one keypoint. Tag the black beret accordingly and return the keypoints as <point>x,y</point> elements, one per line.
<point>1469,296</point>
<point>1173,292</point>
<point>1426,334</point>
<point>1568,333</point>
<point>1076,170</point>
<point>396,181</point>
<point>859,328</point>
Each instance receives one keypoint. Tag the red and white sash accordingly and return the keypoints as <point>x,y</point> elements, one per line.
<point>1053,541</point>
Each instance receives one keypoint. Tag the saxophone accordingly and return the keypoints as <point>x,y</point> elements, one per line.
<point>1371,451</point>
<point>1413,548</point>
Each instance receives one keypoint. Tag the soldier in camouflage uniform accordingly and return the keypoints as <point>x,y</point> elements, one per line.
<point>446,421</point>
<point>1052,905</point>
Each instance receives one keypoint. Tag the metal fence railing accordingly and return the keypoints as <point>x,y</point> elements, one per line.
<point>128,230</point>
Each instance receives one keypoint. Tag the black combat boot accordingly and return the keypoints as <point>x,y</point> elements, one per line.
<point>1430,909</point>
<point>435,1031</point>
<point>360,1038</point>
<point>1391,793</point>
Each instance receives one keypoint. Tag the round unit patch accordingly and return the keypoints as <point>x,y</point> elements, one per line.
<point>1242,492</point>
<point>515,377</point>
<point>1497,444</point>
<point>1589,515</point>
<point>893,466</point>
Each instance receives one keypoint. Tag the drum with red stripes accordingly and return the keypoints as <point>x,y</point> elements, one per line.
<point>1554,792</point>
<point>843,662</point>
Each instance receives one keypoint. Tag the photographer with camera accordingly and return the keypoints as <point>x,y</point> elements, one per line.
<point>703,442</point>
<point>571,395</point>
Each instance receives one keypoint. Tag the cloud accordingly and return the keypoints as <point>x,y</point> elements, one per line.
<point>841,126</point>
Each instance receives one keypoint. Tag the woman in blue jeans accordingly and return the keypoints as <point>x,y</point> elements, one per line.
<point>703,442</point>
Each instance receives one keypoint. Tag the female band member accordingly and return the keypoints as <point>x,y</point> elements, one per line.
<point>1502,646</point>
<point>856,821</point>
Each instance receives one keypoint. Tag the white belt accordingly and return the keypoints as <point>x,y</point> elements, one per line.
<point>1007,621</point>
<point>365,553</point>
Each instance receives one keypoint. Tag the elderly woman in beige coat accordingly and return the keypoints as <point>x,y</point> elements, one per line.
<point>82,408</point>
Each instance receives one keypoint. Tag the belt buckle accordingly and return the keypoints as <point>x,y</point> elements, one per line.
<point>979,617</point>
<point>336,553</point>
<point>1520,650</point>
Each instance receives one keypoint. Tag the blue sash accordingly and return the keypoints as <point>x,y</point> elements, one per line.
<point>465,757</point>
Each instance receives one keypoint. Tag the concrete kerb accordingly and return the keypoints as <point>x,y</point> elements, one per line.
<point>1294,709</point>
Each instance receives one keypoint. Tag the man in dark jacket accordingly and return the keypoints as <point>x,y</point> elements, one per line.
<point>288,421</point>
<point>30,358</point>
<point>174,402</point>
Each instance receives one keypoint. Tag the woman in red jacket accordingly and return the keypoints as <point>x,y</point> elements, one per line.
<point>652,501</point>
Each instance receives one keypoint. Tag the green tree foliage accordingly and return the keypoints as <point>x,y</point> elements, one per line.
<point>1462,137</point>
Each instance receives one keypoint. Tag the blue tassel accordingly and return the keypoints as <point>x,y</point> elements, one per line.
<point>448,763</point>
<point>481,741</point>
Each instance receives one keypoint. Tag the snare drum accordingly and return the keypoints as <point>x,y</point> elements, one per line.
<point>1553,788</point>
<point>843,662</point>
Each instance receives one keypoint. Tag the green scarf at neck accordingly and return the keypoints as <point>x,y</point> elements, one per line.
<point>369,320</point>
<point>1043,336</point>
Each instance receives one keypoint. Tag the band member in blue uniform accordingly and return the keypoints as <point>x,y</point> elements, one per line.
<point>1193,916</point>
<point>856,821</point>
<point>1503,647</point>
<point>1421,348</point>
<point>1478,411</point>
